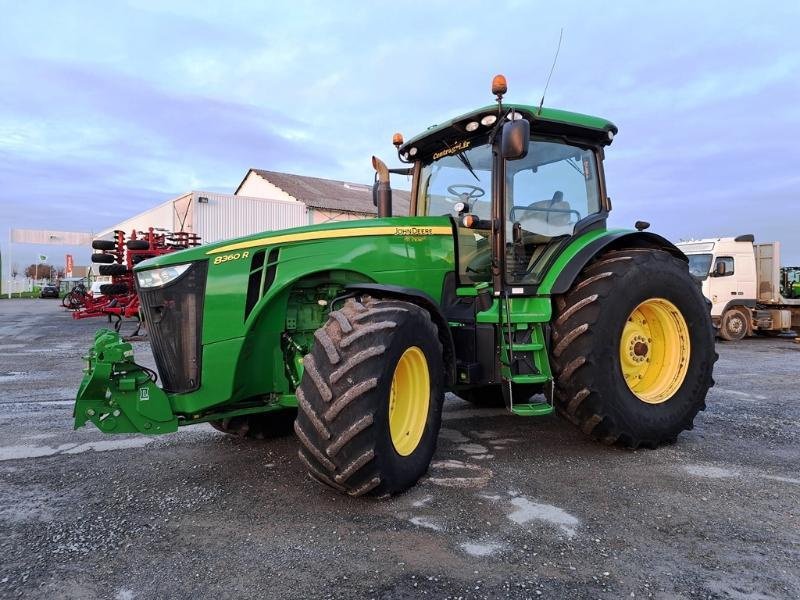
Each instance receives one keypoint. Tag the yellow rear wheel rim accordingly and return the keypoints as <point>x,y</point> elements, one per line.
<point>409,399</point>
<point>654,350</point>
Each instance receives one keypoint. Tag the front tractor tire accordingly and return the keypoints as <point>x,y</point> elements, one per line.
<point>632,349</point>
<point>370,400</point>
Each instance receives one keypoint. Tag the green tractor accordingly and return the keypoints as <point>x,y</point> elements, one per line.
<point>790,282</point>
<point>502,285</point>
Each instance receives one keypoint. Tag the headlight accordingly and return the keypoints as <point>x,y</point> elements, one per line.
<point>159,277</point>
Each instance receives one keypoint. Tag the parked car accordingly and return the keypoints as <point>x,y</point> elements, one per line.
<point>49,291</point>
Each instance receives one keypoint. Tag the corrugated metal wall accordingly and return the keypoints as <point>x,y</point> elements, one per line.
<point>226,216</point>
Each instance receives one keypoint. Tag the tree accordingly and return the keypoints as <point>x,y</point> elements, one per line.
<point>43,271</point>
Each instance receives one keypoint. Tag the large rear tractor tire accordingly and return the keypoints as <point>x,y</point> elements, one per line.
<point>258,427</point>
<point>370,400</point>
<point>632,349</point>
<point>733,326</point>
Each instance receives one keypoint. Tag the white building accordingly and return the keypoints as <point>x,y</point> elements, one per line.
<point>263,201</point>
<point>215,216</point>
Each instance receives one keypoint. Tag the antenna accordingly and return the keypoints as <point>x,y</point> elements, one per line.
<point>546,85</point>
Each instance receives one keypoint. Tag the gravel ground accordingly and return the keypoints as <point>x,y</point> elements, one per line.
<point>511,508</point>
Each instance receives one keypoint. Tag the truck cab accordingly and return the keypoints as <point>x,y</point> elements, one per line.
<point>741,279</point>
<point>726,269</point>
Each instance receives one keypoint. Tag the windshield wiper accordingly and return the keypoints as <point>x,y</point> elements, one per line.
<point>463,158</point>
<point>575,166</point>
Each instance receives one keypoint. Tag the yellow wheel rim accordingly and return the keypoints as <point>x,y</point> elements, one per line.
<point>408,401</point>
<point>654,350</point>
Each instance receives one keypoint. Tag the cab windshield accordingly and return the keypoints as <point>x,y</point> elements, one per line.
<point>461,183</point>
<point>546,194</point>
<point>461,177</point>
<point>699,265</point>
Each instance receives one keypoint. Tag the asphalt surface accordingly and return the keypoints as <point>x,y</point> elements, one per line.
<point>511,508</point>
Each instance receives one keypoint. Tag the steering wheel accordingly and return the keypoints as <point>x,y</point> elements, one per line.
<point>473,191</point>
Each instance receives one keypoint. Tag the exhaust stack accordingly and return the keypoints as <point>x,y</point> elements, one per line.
<point>382,190</point>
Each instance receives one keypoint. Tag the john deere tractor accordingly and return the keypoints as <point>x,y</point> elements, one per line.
<point>502,284</point>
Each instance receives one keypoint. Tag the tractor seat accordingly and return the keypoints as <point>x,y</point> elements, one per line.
<point>556,203</point>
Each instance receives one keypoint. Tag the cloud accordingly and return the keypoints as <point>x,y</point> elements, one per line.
<point>141,101</point>
<point>100,130</point>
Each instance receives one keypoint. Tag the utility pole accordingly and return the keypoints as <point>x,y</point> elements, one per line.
<point>10,264</point>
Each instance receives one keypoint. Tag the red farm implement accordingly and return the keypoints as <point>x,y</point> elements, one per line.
<point>116,259</point>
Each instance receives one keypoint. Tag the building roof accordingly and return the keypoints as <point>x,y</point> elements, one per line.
<point>331,194</point>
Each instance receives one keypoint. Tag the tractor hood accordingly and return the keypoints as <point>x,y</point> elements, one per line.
<point>401,226</point>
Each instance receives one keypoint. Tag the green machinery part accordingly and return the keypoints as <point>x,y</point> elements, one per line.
<point>119,396</point>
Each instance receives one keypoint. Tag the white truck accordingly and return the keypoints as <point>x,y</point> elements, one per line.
<point>748,290</point>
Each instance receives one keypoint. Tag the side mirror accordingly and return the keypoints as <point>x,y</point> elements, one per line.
<point>720,269</point>
<point>516,137</point>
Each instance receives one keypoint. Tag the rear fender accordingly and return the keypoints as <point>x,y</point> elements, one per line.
<point>612,241</point>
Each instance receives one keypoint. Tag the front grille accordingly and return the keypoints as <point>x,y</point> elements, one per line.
<point>173,315</point>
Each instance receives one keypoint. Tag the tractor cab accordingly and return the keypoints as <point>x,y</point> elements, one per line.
<point>790,282</point>
<point>518,181</point>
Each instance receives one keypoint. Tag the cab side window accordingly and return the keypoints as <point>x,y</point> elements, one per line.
<point>727,261</point>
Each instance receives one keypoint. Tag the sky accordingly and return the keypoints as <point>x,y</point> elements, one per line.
<point>107,109</point>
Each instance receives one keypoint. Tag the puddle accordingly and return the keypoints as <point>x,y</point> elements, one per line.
<point>453,435</point>
<point>105,445</point>
<point>454,473</point>
<point>19,452</point>
<point>494,497</point>
<point>421,502</point>
<point>425,522</point>
<point>711,472</point>
<point>473,449</point>
<point>480,550</point>
<point>782,479</point>
<point>528,511</point>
